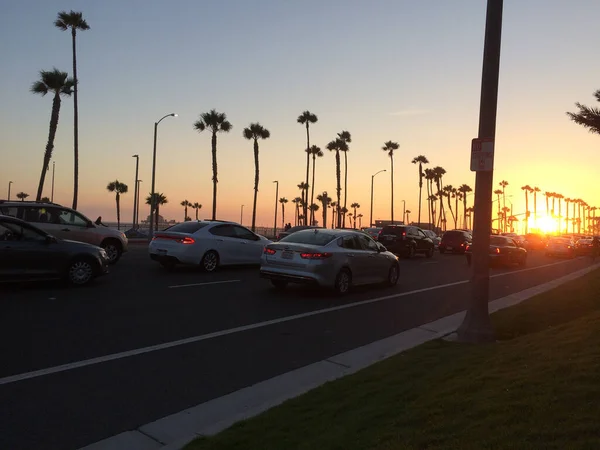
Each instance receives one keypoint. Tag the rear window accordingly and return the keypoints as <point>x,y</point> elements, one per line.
<point>455,234</point>
<point>187,227</point>
<point>498,240</point>
<point>393,230</point>
<point>312,237</point>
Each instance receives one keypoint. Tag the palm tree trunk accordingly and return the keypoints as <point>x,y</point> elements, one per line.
<point>312,193</point>
<point>214,169</point>
<point>526,212</point>
<point>324,214</point>
<point>339,187</point>
<point>75,125</point>
<point>420,190</point>
<point>465,210</point>
<point>456,208</point>
<point>305,208</point>
<point>283,214</point>
<point>535,208</point>
<point>392,184</point>
<point>255,184</point>
<point>50,145</point>
<point>345,184</point>
<point>117,198</point>
<point>156,218</point>
<point>197,213</point>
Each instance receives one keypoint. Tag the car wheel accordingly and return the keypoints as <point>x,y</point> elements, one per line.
<point>80,272</point>
<point>393,275</point>
<point>429,253</point>
<point>343,281</point>
<point>210,261</point>
<point>410,252</point>
<point>113,250</point>
<point>279,284</point>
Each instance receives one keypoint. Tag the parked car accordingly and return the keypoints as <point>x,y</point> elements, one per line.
<point>503,251</point>
<point>455,241</point>
<point>434,237</point>
<point>207,243</point>
<point>560,246</point>
<point>29,253</point>
<point>406,240</point>
<point>337,259</point>
<point>373,232</point>
<point>293,230</point>
<point>66,223</point>
<point>534,241</point>
<point>584,246</point>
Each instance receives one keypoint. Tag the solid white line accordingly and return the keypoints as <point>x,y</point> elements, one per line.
<point>528,269</point>
<point>204,284</point>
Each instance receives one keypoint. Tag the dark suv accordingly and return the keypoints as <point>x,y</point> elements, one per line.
<point>455,241</point>
<point>406,240</point>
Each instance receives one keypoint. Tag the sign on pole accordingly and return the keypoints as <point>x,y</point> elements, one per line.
<point>482,155</point>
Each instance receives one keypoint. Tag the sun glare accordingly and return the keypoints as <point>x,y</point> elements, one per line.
<point>547,225</point>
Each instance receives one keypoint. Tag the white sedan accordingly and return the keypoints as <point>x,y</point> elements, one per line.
<point>207,243</point>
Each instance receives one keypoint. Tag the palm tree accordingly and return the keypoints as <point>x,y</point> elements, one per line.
<point>338,145</point>
<point>185,205</point>
<point>345,136</point>
<point>215,122</point>
<point>74,21</point>
<point>535,191</point>
<point>313,209</point>
<point>457,196</point>
<point>255,132</point>
<point>559,197</point>
<point>283,201</point>
<point>304,193</point>
<point>197,206</point>
<point>450,191</point>
<point>498,193</point>
<point>118,188</point>
<point>567,201</point>
<point>390,147</point>
<point>342,213</point>
<point>325,203</point>
<point>22,196</point>
<point>503,185</point>
<point>420,160</point>
<point>408,211</point>
<point>45,199</point>
<point>159,199</point>
<point>432,201</point>
<point>429,176</point>
<point>528,189</point>
<point>57,83</point>
<point>360,216</point>
<point>547,195</point>
<point>297,202</point>
<point>306,118</point>
<point>354,206</point>
<point>587,117</point>
<point>314,151</point>
<point>333,206</point>
<point>469,213</point>
<point>439,173</point>
<point>464,189</point>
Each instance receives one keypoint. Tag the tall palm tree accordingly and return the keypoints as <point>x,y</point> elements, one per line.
<point>587,117</point>
<point>498,193</point>
<point>314,151</point>
<point>313,209</point>
<point>457,196</point>
<point>429,176</point>
<point>216,122</point>
<point>470,210</point>
<point>159,199</point>
<point>22,196</point>
<point>185,204</point>
<point>408,211</point>
<point>535,191</point>
<point>360,216</point>
<point>304,193</point>
<point>503,185</point>
<point>345,137</point>
<point>283,201</point>
<point>432,199</point>
<point>118,188</point>
<point>74,21</point>
<point>464,189</point>
<point>567,201</point>
<point>439,173</point>
<point>297,202</point>
<point>390,147</point>
<point>559,197</point>
<point>338,145</point>
<point>57,83</point>
<point>420,160</point>
<point>325,203</point>
<point>449,191</point>
<point>528,189</point>
<point>547,194</point>
<point>254,132</point>
<point>306,118</point>
<point>354,206</point>
<point>197,206</point>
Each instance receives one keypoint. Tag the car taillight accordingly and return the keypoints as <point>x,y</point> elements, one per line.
<point>269,251</point>
<point>497,250</point>
<point>186,240</point>
<point>404,233</point>
<point>467,248</point>
<point>462,244</point>
<point>315,255</point>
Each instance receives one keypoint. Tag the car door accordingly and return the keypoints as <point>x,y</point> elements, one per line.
<point>250,245</point>
<point>378,264</point>
<point>226,243</point>
<point>425,242</point>
<point>357,259</point>
<point>12,265</point>
<point>73,226</point>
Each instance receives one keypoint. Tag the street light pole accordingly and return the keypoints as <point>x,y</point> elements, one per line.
<point>242,215</point>
<point>137,209</point>
<point>372,178</point>
<point>276,197</point>
<point>476,326</point>
<point>152,199</point>
<point>404,211</point>
<point>135,190</point>
<point>52,192</point>
<point>9,183</point>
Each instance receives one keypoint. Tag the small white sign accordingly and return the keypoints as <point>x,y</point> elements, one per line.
<point>482,155</point>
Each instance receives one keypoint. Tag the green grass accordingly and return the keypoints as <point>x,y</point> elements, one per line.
<point>537,388</point>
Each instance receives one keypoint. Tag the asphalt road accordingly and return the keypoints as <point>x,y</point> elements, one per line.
<point>139,305</point>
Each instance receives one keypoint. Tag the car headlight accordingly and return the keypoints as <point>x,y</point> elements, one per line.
<point>103,254</point>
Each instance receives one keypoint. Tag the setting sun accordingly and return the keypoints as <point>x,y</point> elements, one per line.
<point>547,225</point>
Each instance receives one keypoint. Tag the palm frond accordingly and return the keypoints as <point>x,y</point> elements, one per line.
<point>199,126</point>
<point>39,88</point>
<point>307,117</point>
<point>587,117</point>
<point>72,19</point>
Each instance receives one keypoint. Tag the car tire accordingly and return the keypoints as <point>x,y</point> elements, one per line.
<point>393,275</point>
<point>80,271</point>
<point>210,261</point>
<point>343,282</point>
<point>279,284</point>
<point>113,249</point>
<point>429,253</point>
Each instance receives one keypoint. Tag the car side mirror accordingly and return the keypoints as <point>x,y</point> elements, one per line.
<point>381,248</point>
<point>91,225</point>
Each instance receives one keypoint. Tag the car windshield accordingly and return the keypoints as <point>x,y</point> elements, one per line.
<point>312,237</point>
<point>187,227</point>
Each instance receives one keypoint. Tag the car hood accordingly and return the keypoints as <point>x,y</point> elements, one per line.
<point>81,245</point>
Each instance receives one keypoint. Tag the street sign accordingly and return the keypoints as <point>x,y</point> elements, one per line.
<point>482,155</point>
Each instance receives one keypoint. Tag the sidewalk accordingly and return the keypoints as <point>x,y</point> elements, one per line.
<point>175,431</point>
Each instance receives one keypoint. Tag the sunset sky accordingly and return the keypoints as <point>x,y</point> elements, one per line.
<point>407,71</point>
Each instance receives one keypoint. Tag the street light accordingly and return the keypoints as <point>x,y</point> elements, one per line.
<point>9,183</point>
<point>276,196</point>
<point>135,190</point>
<point>242,215</point>
<point>372,178</point>
<point>154,176</point>
<point>137,209</point>
<point>403,211</point>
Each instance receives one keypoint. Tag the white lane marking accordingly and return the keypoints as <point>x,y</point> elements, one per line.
<point>216,334</point>
<point>204,284</point>
<point>528,269</point>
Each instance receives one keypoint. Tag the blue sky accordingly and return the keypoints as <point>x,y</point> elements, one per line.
<point>408,71</point>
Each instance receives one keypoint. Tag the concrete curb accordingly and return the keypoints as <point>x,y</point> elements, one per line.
<point>175,431</point>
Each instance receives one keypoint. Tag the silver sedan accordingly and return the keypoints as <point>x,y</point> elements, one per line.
<point>335,259</point>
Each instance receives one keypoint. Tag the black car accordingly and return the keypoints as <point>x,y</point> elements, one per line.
<point>406,240</point>
<point>503,251</point>
<point>28,253</point>
<point>455,241</point>
<point>293,230</point>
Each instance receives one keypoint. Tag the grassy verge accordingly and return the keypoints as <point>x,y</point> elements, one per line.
<point>536,388</point>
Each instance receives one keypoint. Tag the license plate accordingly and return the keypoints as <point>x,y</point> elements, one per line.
<point>389,238</point>
<point>448,248</point>
<point>287,255</point>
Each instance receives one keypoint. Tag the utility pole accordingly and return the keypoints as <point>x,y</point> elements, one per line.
<point>135,190</point>
<point>242,215</point>
<point>476,326</point>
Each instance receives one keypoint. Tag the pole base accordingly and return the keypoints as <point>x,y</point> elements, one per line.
<point>476,329</point>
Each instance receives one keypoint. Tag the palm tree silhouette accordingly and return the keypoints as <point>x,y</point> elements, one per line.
<point>118,188</point>
<point>297,202</point>
<point>429,176</point>
<point>197,206</point>
<point>535,191</point>
<point>314,151</point>
<point>567,201</point>
<point>185,205</point>
<point>159,199</point>
<point>587,117</point>
<point>498,193</point>
<point>420,160</point>
<point>22,196</point>
<point>338,145</point>
<point>559,197</point>
<point>390,147</point>
<point>333,206</point>
<point>304,193</point>
<point>360,216</point>
<point>283,201</point>
<point>408,211</point>
<point>306,118</point>
<point>57,83</point>
<point>503,185</point>
<point>439,173</point>
<point>464,189</point>
<point>345,136</point>
<point>254,132</point>
<point>528,189</point>
<point>354,206</point>
<point>313,209</point>
<point>216,122</point>
<point>449,191</point>
<point>325,203</point>
<point>74,21</point>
